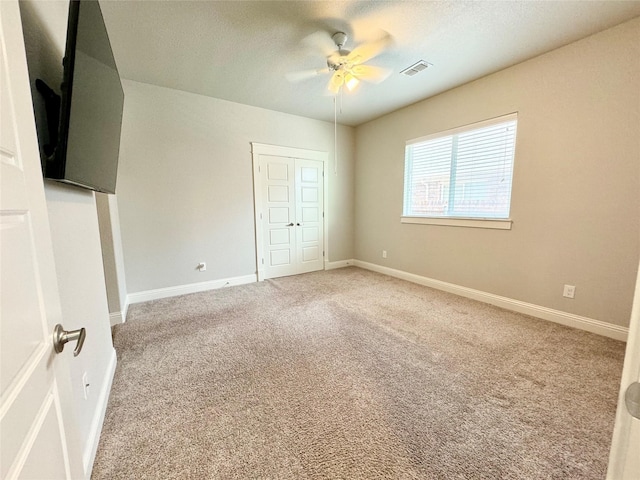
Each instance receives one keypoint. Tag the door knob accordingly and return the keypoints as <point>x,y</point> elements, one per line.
<point>632,399</point>
<point>61,337</point>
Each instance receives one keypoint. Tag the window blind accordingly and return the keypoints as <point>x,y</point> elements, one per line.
<point>464,173</point>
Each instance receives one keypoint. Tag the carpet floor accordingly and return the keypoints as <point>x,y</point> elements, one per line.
<point>349,374</point>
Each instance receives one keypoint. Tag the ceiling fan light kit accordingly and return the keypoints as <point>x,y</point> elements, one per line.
<point>347,67</point>
<point>351,81</point>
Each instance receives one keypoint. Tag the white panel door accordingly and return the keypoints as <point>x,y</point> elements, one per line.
<point>289,213</point>
<point>309,215</point>
<point>624,458</point>
<point>38,438</point>
<point>278,216</point>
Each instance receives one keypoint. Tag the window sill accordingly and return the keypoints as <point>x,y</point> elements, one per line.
<point>499,224</point>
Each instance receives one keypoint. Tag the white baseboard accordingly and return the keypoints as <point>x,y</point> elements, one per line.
<point>98,419</point>
<point>156,294</point>
<point>339,264</point>
<point>119,317</point>
<point>115,318</point>
<point>569,319</point>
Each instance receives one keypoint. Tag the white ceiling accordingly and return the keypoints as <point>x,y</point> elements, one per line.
<point>241,50</point>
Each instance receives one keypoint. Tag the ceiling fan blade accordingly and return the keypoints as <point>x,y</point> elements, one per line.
<point>321,41</point>
<point>295,77</point>
<point>367,51</point>
<point>370,73</point>
<point>335,82</point>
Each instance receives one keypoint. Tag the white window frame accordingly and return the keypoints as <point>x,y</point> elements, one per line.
<point>473,222</point>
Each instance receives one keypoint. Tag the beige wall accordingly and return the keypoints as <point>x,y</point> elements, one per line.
<point>112,256</point>
<point>76,239</point>
<point>575,202</point>
<point>185,184</point>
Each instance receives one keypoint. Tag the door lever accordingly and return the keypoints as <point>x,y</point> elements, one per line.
<point>61,337</point>
<point>632,399</point>
<point>290,225</point>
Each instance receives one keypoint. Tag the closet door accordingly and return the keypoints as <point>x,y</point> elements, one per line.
<point>278,216</point>
<point>289,215</point>
<point>309,215</point>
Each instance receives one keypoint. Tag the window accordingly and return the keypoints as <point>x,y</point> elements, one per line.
<point>464,173</point>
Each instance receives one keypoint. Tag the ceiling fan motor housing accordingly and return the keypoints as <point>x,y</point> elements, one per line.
<point>338,60</point>
<point>340,38</point>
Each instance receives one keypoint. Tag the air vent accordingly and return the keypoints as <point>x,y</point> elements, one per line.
<point>416,68</point>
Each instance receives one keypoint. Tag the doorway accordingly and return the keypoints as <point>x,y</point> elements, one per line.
<point>290,213</point>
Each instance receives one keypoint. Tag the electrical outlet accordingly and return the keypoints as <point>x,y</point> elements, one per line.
<point>202,266</point>
<point>384,254</point>
<point>569,291</point>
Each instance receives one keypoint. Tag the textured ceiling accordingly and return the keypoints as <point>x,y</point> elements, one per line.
<point>242,50</point>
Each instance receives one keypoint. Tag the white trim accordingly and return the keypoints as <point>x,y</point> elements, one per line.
<point>115,318</point>
<point>159,293</point>
<point>292,152</point>
<point>500,224</point>
<point>564,318</point>
<point>257,210</point>
<point>338,264</point>
<point>98,418</point>
<point>470,126</point>
<point>258,149</point>
<point>624,450</point>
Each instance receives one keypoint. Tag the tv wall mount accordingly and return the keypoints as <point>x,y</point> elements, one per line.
<point>52,104</point>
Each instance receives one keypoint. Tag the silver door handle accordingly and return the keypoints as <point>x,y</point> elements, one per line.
<point>61,337</point>
<point>632,399</point>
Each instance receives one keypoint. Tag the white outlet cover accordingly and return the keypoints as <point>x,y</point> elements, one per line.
<point>569,291</point>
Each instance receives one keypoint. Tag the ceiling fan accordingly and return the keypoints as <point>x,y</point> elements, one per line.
<point>346,67</point>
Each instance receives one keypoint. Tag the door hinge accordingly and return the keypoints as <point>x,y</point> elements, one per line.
<point>322,214</point>
<point>323,253</point>
<point>259,170</point>
<point>263,261</point>
<point>260,216</point>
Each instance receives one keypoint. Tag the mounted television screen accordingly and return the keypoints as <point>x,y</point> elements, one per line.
<point>88,143</point>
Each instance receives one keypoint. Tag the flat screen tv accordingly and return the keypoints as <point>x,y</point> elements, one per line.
<point>85,152</point>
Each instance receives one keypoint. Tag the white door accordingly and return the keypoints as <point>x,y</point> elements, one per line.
<point>309,215</point>
<point>289,199</point>
<point>624,460</point>
<point>278,216</point>
<point>37,435</point>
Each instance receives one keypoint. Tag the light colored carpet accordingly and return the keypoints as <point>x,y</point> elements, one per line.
<point>354,375</point>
